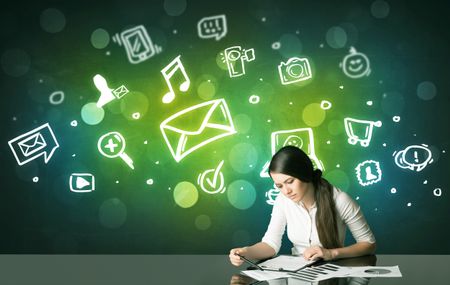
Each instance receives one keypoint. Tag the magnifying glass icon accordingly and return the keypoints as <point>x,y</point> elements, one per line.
<point>112,145</point>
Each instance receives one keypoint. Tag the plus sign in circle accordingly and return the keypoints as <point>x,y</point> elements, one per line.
<point>111,144</point>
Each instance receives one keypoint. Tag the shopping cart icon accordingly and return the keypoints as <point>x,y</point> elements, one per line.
<point>360,130</point>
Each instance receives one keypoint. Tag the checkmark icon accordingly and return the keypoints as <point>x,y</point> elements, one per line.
<point>213,183</point>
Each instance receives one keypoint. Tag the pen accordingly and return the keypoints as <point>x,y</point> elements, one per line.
<point>249,261</point>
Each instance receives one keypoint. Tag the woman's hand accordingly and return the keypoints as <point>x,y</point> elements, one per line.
<point>234,258</point>
<point>316,252</point>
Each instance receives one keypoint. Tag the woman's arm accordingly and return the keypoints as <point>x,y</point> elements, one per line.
<point>260,250</point>
<point>357,249</point>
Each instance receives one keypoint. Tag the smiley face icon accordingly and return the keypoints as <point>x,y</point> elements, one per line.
<point>355,64</point>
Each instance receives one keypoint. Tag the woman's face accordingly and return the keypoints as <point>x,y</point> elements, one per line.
<point>291,187</point>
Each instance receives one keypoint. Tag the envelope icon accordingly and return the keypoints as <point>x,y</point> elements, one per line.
<point>120,91</point>
<point>32,144</point>
<point>196,126</point>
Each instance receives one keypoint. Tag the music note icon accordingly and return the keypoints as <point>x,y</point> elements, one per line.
<point>168,72</point>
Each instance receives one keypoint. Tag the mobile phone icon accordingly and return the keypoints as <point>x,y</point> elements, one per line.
<point>137,43</point>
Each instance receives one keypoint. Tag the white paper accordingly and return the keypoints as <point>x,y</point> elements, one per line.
<point>327,271</point>
<point>286,262</point>
<point>374,271</point>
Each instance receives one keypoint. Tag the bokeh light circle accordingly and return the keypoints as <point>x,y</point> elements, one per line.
<point>203,222</point>
<point>15,62</point>
<point>313,115</point>
<point>91,114</point>
<point>241,194</point>
<point>336,37</point>
<point>290,46</point>
<point>112,213</point>
<point>336,127</point>
<point>242,156</point>
<point>338,178</point>
<point>185,194</point>
<point>100,38</point>
<point>133,103</point>
<point>380,9</point>
<point>175,7</point>
<point>243,123</point>
<point>52,20</point>
<point>220,60</point>
<point>206,90</point>
<point>426,90</point>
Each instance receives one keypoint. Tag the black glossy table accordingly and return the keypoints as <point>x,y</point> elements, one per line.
<point>193,269</point>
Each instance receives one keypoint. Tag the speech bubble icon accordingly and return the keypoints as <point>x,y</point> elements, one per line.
<point>37,142</point>
<point>212,27</point>
<point>414,157</point>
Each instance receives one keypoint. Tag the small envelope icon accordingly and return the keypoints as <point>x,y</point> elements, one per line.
<point>32,144</point>
<point>120,91</point>
<point>196,126</point>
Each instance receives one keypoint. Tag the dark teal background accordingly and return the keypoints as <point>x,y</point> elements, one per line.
<point>406,48</point>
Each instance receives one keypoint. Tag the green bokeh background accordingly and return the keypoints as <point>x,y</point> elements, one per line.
<point>126,215</point>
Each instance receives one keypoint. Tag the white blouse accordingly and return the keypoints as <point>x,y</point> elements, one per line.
<point>301,224</point>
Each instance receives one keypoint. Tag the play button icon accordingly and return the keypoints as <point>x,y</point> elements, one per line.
<point>82,182</point>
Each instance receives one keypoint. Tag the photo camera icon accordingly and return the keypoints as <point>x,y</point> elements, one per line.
<point>37,142</point>
<point>294,70</point>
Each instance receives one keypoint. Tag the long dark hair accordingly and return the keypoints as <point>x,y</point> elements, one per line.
<point>294,162</point>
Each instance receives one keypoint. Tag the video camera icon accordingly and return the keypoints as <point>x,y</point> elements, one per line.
<point>235,58</point>
<point>37,142</point>
<point>82,182</point>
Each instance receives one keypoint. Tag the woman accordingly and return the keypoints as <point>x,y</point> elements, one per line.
<point>316,214</point>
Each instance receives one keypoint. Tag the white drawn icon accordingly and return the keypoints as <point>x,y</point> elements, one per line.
<point>294,70</point>
<point>271,195</point>
<point>265,170</point>
<point>168,72</point>
<point>112,145</point>
<point>355,64</point>
<point>301,138</point>
<point>107,94</point>
<point>37,142</point>
<point>360,130</point>
<point>235,58</point>
<point>368,172</point>
<point>212,27</point>
<point>56,97</point>
<point>211,181</point>
<point>414,157</point>
<point>82,182</point>
<point>137,43</point>
<point>183,140</point>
